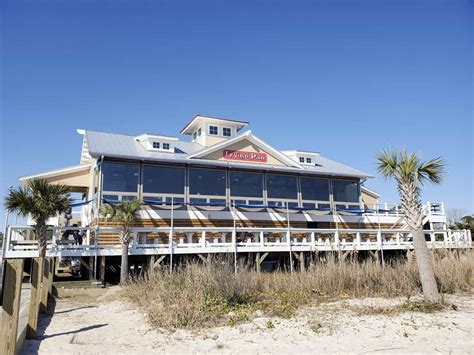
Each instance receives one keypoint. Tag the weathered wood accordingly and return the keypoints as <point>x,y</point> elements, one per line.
<point>203,258</point>
<point>102,268</point>
<point>85,264</point>
<point>52,262</point>
<point>302,261</point>
<point>45,287</point>
<point>13,273</point>
<point>158,262</point>
<point>33,312</point>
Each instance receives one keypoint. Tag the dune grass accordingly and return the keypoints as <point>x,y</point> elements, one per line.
<point>198,295</point>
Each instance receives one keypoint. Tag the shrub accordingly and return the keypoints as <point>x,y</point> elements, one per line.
<point>199,295</point>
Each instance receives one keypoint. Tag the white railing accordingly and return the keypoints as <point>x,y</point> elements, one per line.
<point>20,240</point>
<point>387,209</point>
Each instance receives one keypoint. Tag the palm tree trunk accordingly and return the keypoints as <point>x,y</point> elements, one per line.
<point>425,267</point>
<point>124,264</point>
<point>41,230</point>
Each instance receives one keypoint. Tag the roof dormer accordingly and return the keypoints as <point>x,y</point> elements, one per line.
<point>157,143</point>
<point>208,131</point>
<point>302,157</point>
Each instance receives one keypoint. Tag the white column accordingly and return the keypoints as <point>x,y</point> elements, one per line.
<point>203,238</point>
<point>433,238</point>
<point>336,238</point>
<point>190,237</point>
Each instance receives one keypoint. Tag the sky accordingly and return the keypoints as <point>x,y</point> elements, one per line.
<point>344,78</point>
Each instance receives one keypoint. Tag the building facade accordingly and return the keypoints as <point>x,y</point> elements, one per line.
<point>224,190</point>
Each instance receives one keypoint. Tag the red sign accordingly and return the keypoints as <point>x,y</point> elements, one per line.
<point>245,156</point>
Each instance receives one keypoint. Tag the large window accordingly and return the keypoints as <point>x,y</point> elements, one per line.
<point>282,187</point>
<point>314,189</point>
<point>246,184</point>
<point>120,177</point>
<point>207,182</point>
<point>345,191</point>
<point>163,180</point>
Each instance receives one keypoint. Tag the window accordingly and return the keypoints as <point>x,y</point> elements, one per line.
<point>315,189</point>
<point>199,132</point>
<point>345,190</point>
<point>308,160</point>
<point>166,146</point>
<point>156,145</point>
<point>194,135</point>
<point>282,186</point>
<point>246,184</point>
<point>226,132</point>
<point>301,160</point>
<point>207,182</point>
<point>120,177</point>
<point>163,179</point>
<point>213,130</point>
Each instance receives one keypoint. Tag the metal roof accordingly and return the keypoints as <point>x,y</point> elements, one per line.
<point>127,147</point>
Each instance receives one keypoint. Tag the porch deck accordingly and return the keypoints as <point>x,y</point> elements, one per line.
<point>20,242</point>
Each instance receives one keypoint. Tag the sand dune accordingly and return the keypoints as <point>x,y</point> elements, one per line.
<point>109,325</point>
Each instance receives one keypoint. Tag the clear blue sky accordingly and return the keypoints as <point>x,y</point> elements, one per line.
<point>346,78</point>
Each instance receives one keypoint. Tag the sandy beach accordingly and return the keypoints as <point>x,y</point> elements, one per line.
<point>98,321</point>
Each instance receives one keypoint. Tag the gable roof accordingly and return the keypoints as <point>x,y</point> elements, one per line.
<point>121,146</point>
<point>251,138</point>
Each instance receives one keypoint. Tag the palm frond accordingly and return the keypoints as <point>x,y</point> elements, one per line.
<point>40,199</point>
<point>432,170</point>
<point>126,213</point>
<point>387,162</point>
<point>20,200</point>
<point>408,164</point>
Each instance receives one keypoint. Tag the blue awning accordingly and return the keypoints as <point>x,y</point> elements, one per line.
<point>80,203</point>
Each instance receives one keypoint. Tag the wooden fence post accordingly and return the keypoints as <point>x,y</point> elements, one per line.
<point>11,305</point>
<point>52,263</point>
<point>33,311</point>
<point>45,286</point>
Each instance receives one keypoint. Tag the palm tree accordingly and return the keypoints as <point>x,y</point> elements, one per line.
<point>127,214</point>
<point>410,174</point>
<point>40,200</point>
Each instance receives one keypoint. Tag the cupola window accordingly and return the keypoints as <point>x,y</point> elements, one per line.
<point>213,130</point>
<point>226,132</point>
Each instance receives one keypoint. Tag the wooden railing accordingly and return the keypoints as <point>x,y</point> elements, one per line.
<point>21,242</point>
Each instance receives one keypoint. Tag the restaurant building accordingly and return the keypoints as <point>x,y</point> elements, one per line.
<point>224,190</point>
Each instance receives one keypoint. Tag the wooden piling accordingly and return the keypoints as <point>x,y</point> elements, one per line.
<point>102,268</point>
<point>45,286</point>
<point>13,274</point>
<point>257,261</point>
<point>33,311</point>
